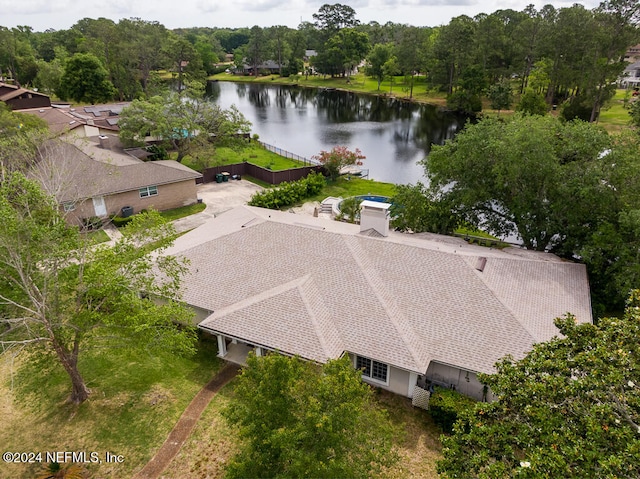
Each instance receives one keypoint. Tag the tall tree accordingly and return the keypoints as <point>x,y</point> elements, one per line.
<point>332,18</point>
<point>302,420</point>
<point>86,80</point>
<point>256,51</point>
<point>570,408</point>
<point>409,51</point>
<point>61,295</point>
<point>522,177</point>
<point>452,50</point>
<point>376,60</point>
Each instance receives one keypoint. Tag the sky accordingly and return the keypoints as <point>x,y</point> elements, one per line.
<point>62,14</point>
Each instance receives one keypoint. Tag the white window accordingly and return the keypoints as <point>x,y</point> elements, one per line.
<point>148,191</point>
<point>373,369</point>
<point>68,206</point>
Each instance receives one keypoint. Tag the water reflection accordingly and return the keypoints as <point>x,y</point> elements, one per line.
<point>393,134</point>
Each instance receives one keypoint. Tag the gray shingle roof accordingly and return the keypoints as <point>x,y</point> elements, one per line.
<point>70,175</point>
<point>403,300</point>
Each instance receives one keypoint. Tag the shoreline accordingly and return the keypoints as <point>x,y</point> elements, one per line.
<point>333,84</point>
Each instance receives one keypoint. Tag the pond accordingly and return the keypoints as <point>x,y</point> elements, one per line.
<point>393,134</point>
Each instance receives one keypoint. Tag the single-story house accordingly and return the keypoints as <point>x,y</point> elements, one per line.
<point>408,309</point>
<point>268,66</point>
<point>92,177</point>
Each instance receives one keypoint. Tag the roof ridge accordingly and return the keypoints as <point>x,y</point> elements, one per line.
<point>256,298</point>
<point>394,313</point>
<point>315,315</point>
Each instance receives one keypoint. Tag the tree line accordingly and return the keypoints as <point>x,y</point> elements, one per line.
<point>570,54</point>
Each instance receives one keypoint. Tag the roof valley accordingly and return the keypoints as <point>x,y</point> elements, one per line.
<point>394,313</point>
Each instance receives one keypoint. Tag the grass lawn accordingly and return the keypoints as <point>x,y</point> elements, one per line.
<point>354,187</point>
<point>252,153</point>
<point>213,442</point>
<point>97,236</point>
<point>614,116</point>
<point>357,83</point>
<point>183,211</point>
<point>136,400</point>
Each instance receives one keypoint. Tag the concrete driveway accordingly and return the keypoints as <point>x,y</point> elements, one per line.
<point>219,197</point>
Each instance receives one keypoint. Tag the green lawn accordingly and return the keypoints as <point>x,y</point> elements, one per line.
<point>252,153</point>
<point>97,236</point>
<point>183,211</point>
<point>354,187</point>
<point>614,116</point>
<point>357,83</point>
<point>136,400</point>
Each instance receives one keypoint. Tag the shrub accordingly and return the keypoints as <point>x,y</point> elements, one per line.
<point>445,405</point>
<point>92,223</point>
<point>289,193</point>
<point>119,221</point>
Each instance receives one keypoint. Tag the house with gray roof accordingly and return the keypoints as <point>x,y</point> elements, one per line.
<point>92,177</point>
<point>407,309</point>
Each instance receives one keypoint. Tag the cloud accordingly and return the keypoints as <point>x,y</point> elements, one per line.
<point>35,7</point>
<point>239,6</point>
<point>430,3</point>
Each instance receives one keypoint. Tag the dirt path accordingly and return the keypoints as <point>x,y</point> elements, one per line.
<point>186,423</point>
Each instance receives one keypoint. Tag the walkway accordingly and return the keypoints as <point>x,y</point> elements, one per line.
<point>186,423</point>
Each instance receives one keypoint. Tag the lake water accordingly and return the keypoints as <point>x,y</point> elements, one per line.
<point>393,134</point>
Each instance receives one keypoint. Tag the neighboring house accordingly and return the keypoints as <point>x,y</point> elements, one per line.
<point>82,122</point>
<point>93,177</point>
<point>633,53</point>
<point>407,309</point>
<point>630,78</point>
<point>268,66</point>
<point>18,98</point>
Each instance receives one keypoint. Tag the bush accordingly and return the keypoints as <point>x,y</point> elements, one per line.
<point>119,221</point>
<point>289,193</point>
<point>445,405</point>
<point>92,223</point>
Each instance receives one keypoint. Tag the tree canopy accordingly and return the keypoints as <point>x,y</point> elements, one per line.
<point>189,124</point>
<point>86,80</point>
<point>337,158</point>
<point>299,419</point>
<point>522,177</point>
<point>61,295</point>
<point>570,408</point>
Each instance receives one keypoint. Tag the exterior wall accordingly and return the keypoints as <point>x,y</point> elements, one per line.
<point>169,196</point>
<point>29,100</point>
<point>465,382</point>
<point>398,379</point>
<point>200,315</point>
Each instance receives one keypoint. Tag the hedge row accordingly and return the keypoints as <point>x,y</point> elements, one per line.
<point>289,193</point>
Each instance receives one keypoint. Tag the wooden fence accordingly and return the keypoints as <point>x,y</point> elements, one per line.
<point>259,173</point>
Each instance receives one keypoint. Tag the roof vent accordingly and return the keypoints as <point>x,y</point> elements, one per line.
<point>481,263</point>
<point>104,142</point>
